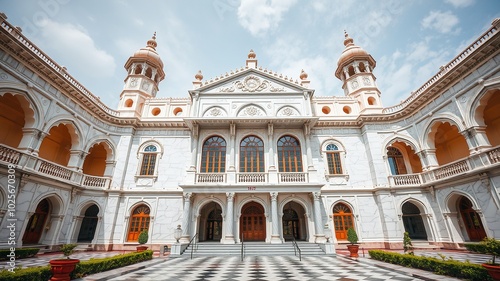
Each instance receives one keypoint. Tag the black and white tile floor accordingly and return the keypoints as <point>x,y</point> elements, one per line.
<point>275,268</point>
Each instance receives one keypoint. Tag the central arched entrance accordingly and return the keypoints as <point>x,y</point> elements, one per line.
<point>89,224</point>
<point>471,219</point>
<point>36,223</point>
<point>252,222</point>
<point>211,222</point>
<point>412,221</point>
<point>294,225</point>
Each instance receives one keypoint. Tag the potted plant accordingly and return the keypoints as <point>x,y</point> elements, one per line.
<point>353,238</point>
<point>143,239</point>
<point>489,246</point>
<point>61,268</point>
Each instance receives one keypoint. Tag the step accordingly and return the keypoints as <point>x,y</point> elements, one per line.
<point>255,249</point>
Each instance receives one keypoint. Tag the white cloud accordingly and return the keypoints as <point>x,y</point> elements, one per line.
<point>74,47</point>
<point>460,3</point>
<point>259,16</point>
<point>443,22</point>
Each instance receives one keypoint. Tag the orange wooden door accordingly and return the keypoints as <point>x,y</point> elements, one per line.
<point>252,223</point>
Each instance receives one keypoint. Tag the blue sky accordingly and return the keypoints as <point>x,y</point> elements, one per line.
<point>408,39</point>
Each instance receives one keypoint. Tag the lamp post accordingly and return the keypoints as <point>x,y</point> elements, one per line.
<point>178,233</point>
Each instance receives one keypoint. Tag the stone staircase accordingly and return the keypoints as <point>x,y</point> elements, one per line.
<point>253,249</point>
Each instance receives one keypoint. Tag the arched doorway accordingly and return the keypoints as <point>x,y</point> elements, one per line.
<point>139,221</point>
<point>342,220</point>
<point>211,222</point>
<point>412,221</point>
<point>36,223</point>
<point>294,225</point>
<point>471,220</point>
<point>252,222</point>
<point>89,224</point>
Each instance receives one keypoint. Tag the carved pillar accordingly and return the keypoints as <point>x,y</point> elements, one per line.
<point>307,136</point>
<point>185,217</point>
<point>275,236</point>
<point>272,172</point>
<point>30,139</point>
<point>430,161</point>
<point>229,239</point>
<point>318,225</point>
<point>194,148</point>
<point>38,142</point>
<point>232,132</point>
<point>480,138</point>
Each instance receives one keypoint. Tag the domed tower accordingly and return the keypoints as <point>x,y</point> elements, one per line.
<point>354,68</point>
<point>144,74</point>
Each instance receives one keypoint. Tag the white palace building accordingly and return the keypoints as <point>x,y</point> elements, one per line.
<point>251,153</point>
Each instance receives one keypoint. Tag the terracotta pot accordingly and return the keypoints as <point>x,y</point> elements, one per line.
<point>141,248</point>
<point>62,268</point>
<point>353,249</point>
<point>493,270</point>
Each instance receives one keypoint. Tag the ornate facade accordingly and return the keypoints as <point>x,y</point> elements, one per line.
<point>250,153</point>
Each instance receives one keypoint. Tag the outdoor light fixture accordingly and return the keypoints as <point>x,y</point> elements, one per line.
<point>178,233</point>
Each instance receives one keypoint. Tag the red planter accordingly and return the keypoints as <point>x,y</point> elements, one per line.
<point>141,248</point>
<point>493,270</point>
<point>353,249</point>
<point>62,268</point>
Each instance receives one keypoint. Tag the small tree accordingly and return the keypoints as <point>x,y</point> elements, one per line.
<point>68,249</point>
<point>143,237</point>
<point>407,245</point>
<point>352,236</point>
<point>489,246</point>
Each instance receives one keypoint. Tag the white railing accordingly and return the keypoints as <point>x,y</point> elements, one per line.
<point>402,180</point>
<point>54,170</point>
<point>450,170</point>
<point>9,155</point>
<point>444,69</point>
<point>211,178</point>
<point>251,177</point>
<point>292,177</point>
<point>494,155</point>
<point>94,181</point>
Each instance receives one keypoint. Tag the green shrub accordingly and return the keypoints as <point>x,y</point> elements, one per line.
<point>352,236</point>
<point>489,246</point>
<point>92,266</point>
<point>453,268</point>
<point>84,268</point>
<point>68,249</point>
<point>41,273</point>
<point>21,253</point>
<point>143,237</point>
<point>407,245</point>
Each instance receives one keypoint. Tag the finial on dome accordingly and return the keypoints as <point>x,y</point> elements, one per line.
<point>199,76</point>
<point>348,40</point>
<point>303,75</point>
<point>152,42</point>
<point>251,54</point>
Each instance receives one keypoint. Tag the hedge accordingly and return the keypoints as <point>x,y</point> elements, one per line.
<point>20,253</point>
<point>453,268</point>
<point>82,269</point>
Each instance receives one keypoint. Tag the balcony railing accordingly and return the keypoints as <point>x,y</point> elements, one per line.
<point>51,170</point>
<point>292,177</point>
<point>251,177</point>
<point>211,178</point>
<point>450,170</point>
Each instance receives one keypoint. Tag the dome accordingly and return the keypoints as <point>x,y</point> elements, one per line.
<point>350,51</point>
<point>148,53</point>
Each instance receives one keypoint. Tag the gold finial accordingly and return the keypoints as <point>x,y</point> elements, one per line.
<point>251,54</point>
<point>198,76</point>
<point>303,75</point>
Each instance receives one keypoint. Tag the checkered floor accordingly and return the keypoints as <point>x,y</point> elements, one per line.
<point>274,268</point>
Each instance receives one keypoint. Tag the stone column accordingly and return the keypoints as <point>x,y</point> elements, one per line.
<point>275,237</point>
<point>229,239</point>
<point>185,217</point>
<point>430,160</point>
<point>191,172</point>
<point>320,236</point>
<point>272,172</point>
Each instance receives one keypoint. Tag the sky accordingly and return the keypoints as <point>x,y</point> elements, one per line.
<point>409,40</point>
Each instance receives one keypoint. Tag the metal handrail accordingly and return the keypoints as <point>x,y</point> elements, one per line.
<point>194,244</point>
<point>296,248</point>
<point>242,248</point>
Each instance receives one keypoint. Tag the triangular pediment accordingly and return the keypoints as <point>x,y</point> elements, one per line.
<point>251,81</point>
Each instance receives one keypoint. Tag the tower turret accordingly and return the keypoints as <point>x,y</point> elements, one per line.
<point>144,74</point>
<point>354,68</point>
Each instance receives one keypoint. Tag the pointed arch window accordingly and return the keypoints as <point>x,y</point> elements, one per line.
<point>289,154</point>
<point>213,157</point>
<point>139,221</point>
<point>396,161</point>
<point>251,155</point>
